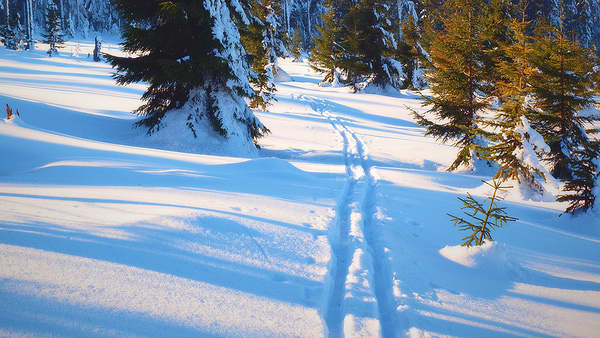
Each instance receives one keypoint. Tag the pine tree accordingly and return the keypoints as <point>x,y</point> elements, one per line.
<point>456,77</point>
<point>350,63</point>
<point>9,31</point>
<point>53,34</point>
<point>327,50</point>
<point>295,47</point>
<point>261,42</point>
<point>370,47</point>
<point>409,51</point>
<point>513,150</point>
<point>561,85</point>
<point>579,191</point>
<point>596,77</point>
<point>481,220</point>
<point>494,33</point>
<point>378,45</point>
<point>191,55</point>
<point>97,49</point>
<point>8,37</point>
<point>19,30</point>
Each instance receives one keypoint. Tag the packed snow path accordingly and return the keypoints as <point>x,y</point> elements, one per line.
<point>339,228</point>
<point>359,279</point>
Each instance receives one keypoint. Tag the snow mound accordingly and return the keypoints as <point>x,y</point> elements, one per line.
<point>370,88</point>
<point>518,191</point>
<point>490,256</point>
<point>175,134</point>
<point>274,168</point>
<point>282,76</point>
<point>14,120</point>
<point>336,83</point>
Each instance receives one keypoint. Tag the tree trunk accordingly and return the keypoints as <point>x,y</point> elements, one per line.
<point>7,13</point>
<point>30,41</point>
<point>62,15</point>
<point>287,17</point>
<point>309,31</point>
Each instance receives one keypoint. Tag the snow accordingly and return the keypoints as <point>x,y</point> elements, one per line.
<point>281,76</point>
<point>490,254</point>
<point>337,226</point>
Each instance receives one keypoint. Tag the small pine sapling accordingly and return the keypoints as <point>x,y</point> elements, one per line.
<point>9,112</point>
<point>481,220</point>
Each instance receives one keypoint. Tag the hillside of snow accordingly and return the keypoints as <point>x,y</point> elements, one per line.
<point>338,228</point>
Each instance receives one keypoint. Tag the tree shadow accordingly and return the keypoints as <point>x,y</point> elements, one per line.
<point>34,315</point>
<point>171,252</point>
<point>420,228</point>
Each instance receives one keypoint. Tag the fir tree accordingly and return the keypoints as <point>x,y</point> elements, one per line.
<point>579,191</point>
<point>261,42</point>
<point>409,50</point>
<point>97,49</point>
<point>191,55</point>
<point>349,63</point>
<point>456,77</point>
<point>370,47</point>
<point>377,45</point>
<point>494,33</point>
<point>8,37</point>
<point>481,220</point>
<point>561,84</point>
<point>295,47</point>
<point>512,150</point>
<point>53,34</point>
<point>11,37</point>
<point>327,50</point>
<point>595,76</point>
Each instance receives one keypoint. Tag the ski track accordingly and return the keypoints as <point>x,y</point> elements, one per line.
<point>362,301</point>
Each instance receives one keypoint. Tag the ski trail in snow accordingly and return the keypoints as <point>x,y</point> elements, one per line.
<point>361,303</point>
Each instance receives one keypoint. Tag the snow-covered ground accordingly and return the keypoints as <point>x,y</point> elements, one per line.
<point>338,228</point>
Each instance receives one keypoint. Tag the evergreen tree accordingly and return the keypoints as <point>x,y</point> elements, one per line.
<point>579,191</point>
<point>191,55</point>
<point>409,50</point>
<point>596,77</point>
<point>97,49</point>
<point>479,220</point>
<point>9,31</point>
<point>295,47</point>
<point>327,50</point>
<point>494,33</point>
<point>19,30</point>
<point>456,77</point>
<point>378,44</point>
<point>370,47</point>
<point>8,37</point>
<point>53,34</point>
<point>260,41</point>
<point>349,63</point>
<point>561,84</point>
<point>513,150</point>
